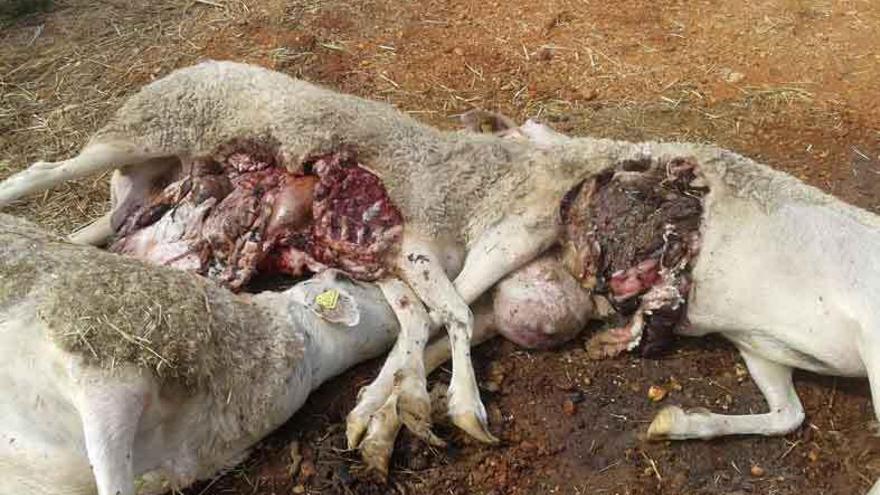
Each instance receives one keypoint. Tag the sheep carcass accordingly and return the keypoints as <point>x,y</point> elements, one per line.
<point>474,207</point>
<point>692,239</point>
<point>116,370</point>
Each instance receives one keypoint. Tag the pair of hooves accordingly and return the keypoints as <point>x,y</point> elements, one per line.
<point>407,405</point>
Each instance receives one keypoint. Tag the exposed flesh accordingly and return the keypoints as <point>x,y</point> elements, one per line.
<point>238,215</point>
<point>632,234</point>
<point>243,214</point>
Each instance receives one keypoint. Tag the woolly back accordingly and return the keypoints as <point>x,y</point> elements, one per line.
<point>115,311</point>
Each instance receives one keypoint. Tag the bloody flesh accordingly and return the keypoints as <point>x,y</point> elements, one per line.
<point>632,233</point>
<point>240,215</point>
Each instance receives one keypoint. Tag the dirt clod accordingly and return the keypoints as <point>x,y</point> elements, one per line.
<point>656,393</point>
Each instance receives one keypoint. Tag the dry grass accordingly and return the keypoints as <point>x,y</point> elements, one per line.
<point>63,73</point>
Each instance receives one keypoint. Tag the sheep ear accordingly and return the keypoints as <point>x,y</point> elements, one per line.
<point>336,306</point>
<point>324,297</point>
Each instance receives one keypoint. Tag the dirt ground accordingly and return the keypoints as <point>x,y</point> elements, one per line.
<point>792,83</point>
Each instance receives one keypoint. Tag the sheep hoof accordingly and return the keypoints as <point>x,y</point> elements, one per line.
<point>661,427</point>
<point>355,427</point>
<point>474,425</point>
<point>378,444</point>
<point>409,405</point>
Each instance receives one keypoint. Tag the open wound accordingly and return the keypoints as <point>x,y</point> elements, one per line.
<point>239,216</point>
<point>632,234</point>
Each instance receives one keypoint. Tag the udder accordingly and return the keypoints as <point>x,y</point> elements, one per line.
<point>541,305</point>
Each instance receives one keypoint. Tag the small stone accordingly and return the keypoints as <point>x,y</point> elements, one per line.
<point>757,471</point>
<point>656,393</point>
<point>307,469</point>
<point>298,489</point>
<point>569,407</point>
<point>458,51</point>
<point>732,76</point>
<point>491,386</point>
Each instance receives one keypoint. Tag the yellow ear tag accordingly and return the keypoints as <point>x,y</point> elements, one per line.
<point>328,299</point>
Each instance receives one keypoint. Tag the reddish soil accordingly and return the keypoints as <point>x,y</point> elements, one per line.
<point>792,83</point>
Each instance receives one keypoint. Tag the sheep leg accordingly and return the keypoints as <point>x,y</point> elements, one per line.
<point>94,158</point>
<point>385,422</point>
<point>502,249</point>
<point>423,271</point>
<point>110,416</point>
<point>439,351</point>
<point>870,350</point>
<point>96,233</point>
<point>774,381</point>
<point>399,393</point>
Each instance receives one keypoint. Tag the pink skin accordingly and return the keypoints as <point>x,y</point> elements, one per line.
<point>541,305</point>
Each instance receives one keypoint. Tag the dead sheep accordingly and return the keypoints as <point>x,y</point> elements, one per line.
<point>784,271</point>
<point>126,378</point>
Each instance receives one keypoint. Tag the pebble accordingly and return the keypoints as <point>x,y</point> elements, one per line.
<point>299,489</point>
<point>458,51</point>
<point>757,471</point>
<point>307,469</point>
<point>656,393</point>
